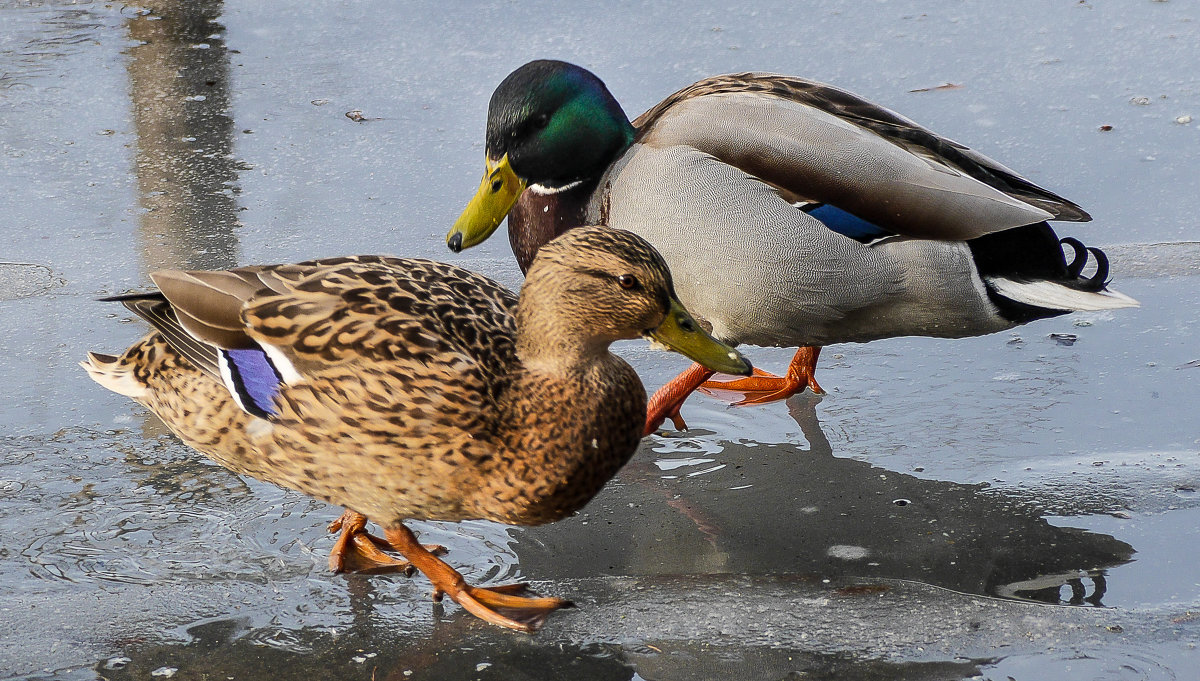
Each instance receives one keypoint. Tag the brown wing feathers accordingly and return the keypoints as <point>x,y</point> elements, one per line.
<point>332,310</point>
<point>154,308</point>
<point>209,304</point>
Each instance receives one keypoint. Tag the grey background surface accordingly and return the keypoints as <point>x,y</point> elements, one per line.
<point>877,534</point>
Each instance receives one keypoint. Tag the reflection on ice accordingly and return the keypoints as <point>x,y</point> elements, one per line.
<point>672,464</point>
<point>186,172</point>
<point>813,508</point>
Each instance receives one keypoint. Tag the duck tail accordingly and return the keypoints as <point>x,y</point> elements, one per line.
<point>110,372</point>
<point>1027,274</point>
<point>1056,295</point>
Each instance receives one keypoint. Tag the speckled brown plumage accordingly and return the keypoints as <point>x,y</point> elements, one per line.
<point>411,377</point>
<point>420,390</point>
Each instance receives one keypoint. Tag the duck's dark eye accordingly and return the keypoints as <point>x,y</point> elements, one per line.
<point>627,281</point>
<point>541,120</point>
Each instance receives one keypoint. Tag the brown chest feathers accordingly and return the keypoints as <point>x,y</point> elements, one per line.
<point>591,417</point>
<point>537,218</point>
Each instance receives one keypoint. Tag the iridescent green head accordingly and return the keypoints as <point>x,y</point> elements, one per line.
<point>557,123</point>
<point>550,124</point>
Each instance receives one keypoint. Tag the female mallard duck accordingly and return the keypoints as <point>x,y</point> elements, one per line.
<point>413,389</point>
<point>792,213</point>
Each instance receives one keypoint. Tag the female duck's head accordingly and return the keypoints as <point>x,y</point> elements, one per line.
<point>593,286</point>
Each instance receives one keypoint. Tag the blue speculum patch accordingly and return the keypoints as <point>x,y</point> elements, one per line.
<point>255,379</point>
<point>847,224</point>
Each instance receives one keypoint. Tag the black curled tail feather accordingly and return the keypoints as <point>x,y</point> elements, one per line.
<point>1034,253</point>
<point>1099,278</point>
<point>1075,268</point>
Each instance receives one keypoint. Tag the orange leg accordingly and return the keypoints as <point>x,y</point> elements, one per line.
<point>667,400</point>
<point>507,606</point>
<point>800,375</point>
<point>356,550</point>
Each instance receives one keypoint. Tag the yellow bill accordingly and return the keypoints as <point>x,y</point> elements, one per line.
<point>497,193</point>
<point>680,332</point>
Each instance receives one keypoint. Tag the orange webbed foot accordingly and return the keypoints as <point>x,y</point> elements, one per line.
<point>800,375</point>
<point>513,606</point>
<point>771,386</point>
<point>357,550</point>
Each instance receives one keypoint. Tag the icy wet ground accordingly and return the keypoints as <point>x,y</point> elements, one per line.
<point>919,522</point>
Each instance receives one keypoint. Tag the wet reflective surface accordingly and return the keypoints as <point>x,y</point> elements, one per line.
<point>917,523</point>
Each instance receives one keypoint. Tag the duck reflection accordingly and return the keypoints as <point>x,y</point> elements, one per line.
<point>369,645</point>
<point>455,649</point>
<point>179,84</point>
<point>782,509</point>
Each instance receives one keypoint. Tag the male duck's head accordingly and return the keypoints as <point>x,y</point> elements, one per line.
<point>550,125</point>
<point>594,285</point>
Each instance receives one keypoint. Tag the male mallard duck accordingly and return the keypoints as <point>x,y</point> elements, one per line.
<point>414,389</point>
<point>792,213</point>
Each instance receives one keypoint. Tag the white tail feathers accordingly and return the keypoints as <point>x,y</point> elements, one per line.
<point>1055,296</point>
<point>108,372</point>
